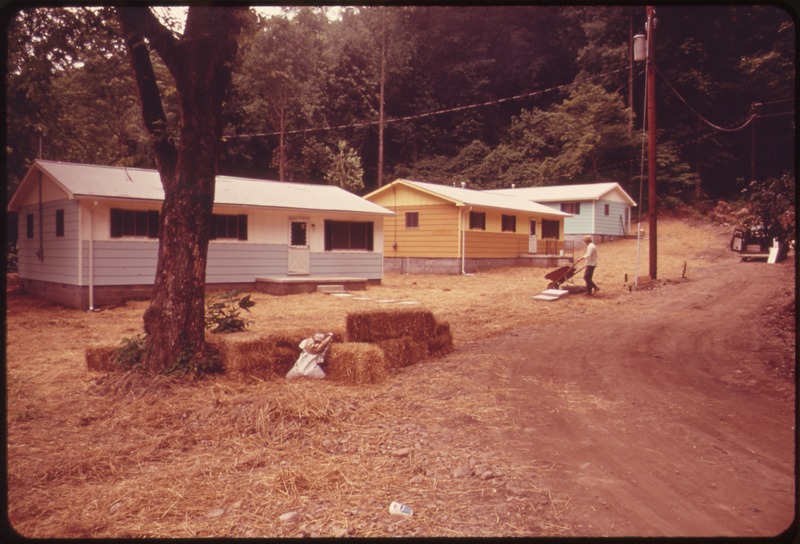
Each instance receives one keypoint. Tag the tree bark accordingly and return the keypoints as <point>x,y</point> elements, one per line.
<point>200,62</point>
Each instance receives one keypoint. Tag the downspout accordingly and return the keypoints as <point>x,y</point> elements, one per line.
<point>91,256</point>
<point>40,252</point>
<point>463,231</point>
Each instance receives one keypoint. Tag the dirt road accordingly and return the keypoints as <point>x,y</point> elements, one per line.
<point>652,428</point>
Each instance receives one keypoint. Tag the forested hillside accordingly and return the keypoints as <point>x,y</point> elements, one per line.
<point>487,95</point>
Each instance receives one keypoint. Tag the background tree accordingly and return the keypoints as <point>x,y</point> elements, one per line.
<point>345,168</point>
<point>458,80</point>
<point>772,205</point>
<point>572,141</point>
<point>275,88</point>
<point>200,61</point>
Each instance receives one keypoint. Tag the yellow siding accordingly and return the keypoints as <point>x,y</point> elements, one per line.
<point>401,195</point>
<point>495,245</point>
<point>437,235</point>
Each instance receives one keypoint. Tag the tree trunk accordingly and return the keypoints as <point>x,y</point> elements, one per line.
<point>200,62</point>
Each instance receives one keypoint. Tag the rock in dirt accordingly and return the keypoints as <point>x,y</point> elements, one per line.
<point>288,517</point>
<point>215,513</point>
<point>462,472</point>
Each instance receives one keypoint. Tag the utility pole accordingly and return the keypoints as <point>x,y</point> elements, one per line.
<point>753,112</point>
<point>651,141</point>
<point>382,97</point>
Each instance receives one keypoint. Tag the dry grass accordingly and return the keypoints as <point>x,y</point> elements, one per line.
<point>102,455</point>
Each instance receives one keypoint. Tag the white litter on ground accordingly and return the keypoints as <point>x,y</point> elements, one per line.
<point>550,294</point>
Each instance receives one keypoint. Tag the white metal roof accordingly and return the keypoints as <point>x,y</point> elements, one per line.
<point>83,180</point>
<point>567,193</point>
<point>485,199</point>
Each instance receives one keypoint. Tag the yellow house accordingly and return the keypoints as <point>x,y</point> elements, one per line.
<point>441,228</point>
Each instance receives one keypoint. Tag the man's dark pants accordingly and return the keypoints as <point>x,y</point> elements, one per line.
<point>587,275</point>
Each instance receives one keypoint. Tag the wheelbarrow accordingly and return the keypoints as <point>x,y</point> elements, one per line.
<point>561,275</point>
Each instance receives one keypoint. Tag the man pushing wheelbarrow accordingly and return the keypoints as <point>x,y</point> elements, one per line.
<point>565,273</point>
<point>591,263</point>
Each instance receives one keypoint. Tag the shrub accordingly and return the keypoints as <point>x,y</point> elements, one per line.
<point>208,362</point>
<point>223,312</point>
<point>130,352</point>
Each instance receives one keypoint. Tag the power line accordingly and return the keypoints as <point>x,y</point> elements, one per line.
<point>741,126</point>
<point>420,115</point>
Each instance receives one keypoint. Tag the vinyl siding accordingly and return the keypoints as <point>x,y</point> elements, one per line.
<point>245,262</point>
<point>121,262</point>
<point>592,219</point>
<point>60,264</point>
<point>610,224</point>
<point>579,223</point>
<point>134,263</point>
<point>361,264</point>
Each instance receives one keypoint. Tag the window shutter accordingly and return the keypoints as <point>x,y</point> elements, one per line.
<point>116,223</point>
<point>59,223</point>
<point>242,227</point>
<point>152,224</point>
<point>328,235</point>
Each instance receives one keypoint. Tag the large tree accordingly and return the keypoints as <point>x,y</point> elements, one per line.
<point>200,60</point>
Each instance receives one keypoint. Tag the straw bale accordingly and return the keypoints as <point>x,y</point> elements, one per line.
<point>268,357</point>
<point>378,325</point>
<point>101,358</point>
<point>244,354</point>
<point>403,351</point>
<point>442,341</point>
<point>355,363</point>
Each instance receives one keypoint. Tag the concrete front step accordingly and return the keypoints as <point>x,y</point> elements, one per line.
<point>330,288</point>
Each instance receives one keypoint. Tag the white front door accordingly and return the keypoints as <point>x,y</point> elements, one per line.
<point>299,248</point>
<point>532,238</point>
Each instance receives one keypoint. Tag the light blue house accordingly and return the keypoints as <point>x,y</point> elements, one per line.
<point>88,235</point>
<point>602,210</point>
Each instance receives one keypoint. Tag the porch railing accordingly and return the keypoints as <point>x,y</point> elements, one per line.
<point>546,246</point>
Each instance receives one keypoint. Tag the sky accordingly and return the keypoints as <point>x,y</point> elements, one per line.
<point>178,13</point>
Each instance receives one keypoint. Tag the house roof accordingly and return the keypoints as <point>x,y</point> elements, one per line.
<point>470,197</point>
<point>567,193</point>
<point>92,181</point>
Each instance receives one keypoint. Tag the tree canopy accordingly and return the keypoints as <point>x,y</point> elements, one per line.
<point>490,95</point>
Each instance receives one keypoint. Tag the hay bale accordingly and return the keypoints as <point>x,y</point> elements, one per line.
<point>355,363</point>
<point>268,357</point>
<point>402,352</point>
<point>101,358</point>
<point>244,354</point>
<point>442,342</point>
<point>378,325</point>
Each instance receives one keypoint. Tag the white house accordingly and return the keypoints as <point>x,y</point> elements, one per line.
<point>88,234</point>
<point>602,210</point>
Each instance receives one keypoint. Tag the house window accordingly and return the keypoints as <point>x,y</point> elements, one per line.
<point>298,235</point>
<point>228,227</point>
<point>550,229</point>
<point>59,223</point>
<point>509,223</point>
<point>607,209</point>
<point>29,226</point>
<point>571,207</point>
<point>348,235</point>
<point>134,223</point>
<point>477,220</point>
<point>412,220</point>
